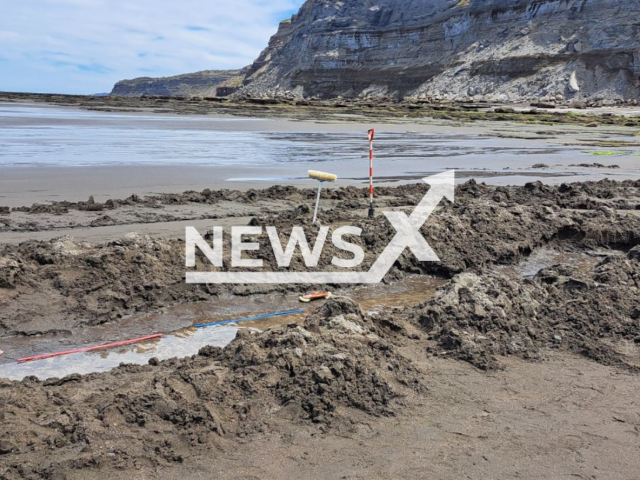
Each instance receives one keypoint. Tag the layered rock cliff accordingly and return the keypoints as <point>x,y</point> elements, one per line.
<point>499,50</point>
<point>494,50</point>
<point>209,83</point>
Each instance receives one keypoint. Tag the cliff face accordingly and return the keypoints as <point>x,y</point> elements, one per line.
<point>496,50</point>
<point>209,83</point>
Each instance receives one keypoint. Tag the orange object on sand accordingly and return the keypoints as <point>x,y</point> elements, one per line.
<point>315,296</point>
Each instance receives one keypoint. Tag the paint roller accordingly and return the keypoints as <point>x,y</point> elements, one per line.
<point>321,177</point>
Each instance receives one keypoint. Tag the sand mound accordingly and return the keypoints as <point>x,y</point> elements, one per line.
<point>477,317</point>
<point>157,414</point>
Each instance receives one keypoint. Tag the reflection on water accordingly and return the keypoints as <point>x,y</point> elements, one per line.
<point>409,292</point>
<point>546,257</point>
<point>181,344</point>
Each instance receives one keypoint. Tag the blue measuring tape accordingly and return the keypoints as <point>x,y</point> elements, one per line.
<point>259,317</point>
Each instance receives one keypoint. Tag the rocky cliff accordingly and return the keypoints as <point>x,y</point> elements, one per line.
<point>496,50</point>
<point>209,83</point>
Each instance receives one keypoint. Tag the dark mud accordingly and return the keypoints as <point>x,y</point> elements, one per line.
<point>479,317</point>
<point>314,372</point>
<point>64,284</point>
<point>340,363</point>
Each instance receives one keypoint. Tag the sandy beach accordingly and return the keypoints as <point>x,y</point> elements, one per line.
<point>323,240</point>
<point>509,344</point>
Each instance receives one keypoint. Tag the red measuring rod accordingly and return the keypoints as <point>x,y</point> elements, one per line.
<point>371,135</point>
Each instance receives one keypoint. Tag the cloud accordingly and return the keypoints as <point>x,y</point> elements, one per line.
<point>95,68</point>
<point>85,46</point>
<point>196,28</point>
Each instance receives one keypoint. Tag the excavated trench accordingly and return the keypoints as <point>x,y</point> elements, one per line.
<point>67,294</point>
<point>181,337</point>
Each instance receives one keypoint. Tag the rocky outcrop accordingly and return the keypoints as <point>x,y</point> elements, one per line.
<point>209,83</point>
<point>495,50</point>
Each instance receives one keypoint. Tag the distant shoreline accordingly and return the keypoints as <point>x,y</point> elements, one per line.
<point>535,113</point>
<point>492,151</point>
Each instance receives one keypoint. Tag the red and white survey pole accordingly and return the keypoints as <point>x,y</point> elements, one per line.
<point>371,133</point>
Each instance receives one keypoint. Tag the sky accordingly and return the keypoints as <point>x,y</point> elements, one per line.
<point>86,46</point>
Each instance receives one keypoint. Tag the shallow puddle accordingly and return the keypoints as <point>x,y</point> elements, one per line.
<point>409,292</point>
<point>179,344</point>
<point>547,257</point>
<point>183,339</point>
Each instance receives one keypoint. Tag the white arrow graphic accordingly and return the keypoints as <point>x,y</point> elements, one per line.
<point>407,236</point>
<point>408,228</point>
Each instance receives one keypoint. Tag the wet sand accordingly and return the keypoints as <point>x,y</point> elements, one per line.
<point>22,186</point>
<point>60,153</point>
<point>564,418</point>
